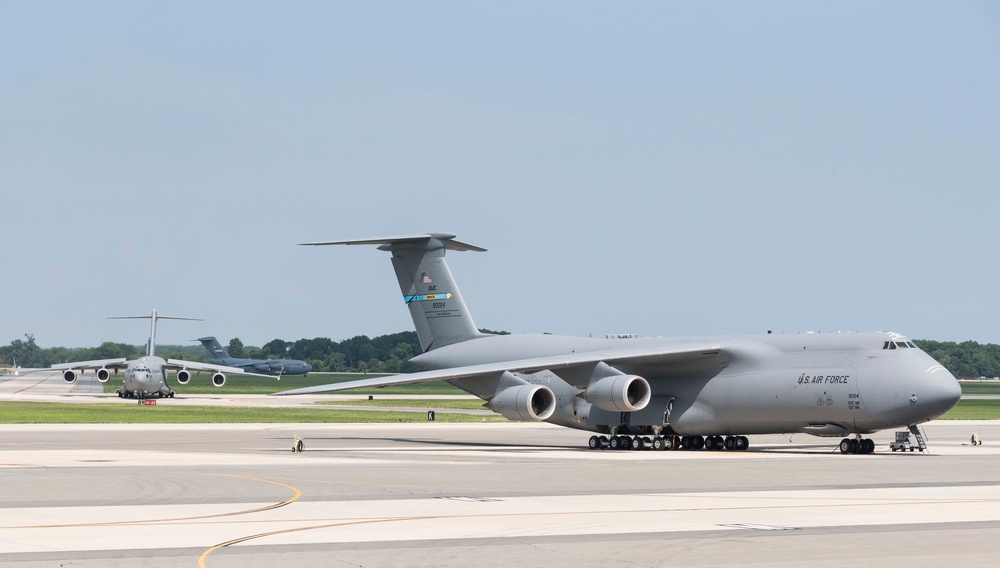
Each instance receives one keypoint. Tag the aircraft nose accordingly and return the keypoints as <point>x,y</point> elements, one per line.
<point>944,393</point>
<point>911,392</point>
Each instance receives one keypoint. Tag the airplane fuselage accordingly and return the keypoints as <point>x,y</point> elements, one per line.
<point>663,393</point>
<point>266,366</point>
<point>146,376</point>
<point>828,384</point>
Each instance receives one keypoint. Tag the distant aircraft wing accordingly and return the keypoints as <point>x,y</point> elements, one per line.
<point>197,366</point>
<point>95,364</point>
<point>210,367</point>
<point>631,355</point>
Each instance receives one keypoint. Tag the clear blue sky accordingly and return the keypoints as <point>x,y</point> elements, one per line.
<point>650,168</point>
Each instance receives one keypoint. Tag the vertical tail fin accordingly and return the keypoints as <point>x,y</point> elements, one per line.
<point>214,347</point>
<point>151,340</point>
<point>429,290</point>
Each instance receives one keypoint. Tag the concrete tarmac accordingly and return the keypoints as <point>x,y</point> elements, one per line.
<point>435,494</point>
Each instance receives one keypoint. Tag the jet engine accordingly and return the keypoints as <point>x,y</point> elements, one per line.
<point>183,377</point>
<point>70,375</point>
<point>527,402</point>
<point>218,379</point>
<point>619,393</point>
<point>103,375</point>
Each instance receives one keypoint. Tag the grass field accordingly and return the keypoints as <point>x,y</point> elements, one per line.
<point>425,403</point>
<point>48,413</point>
<point>164,413</point>
<point>201,383</point>
<point>972,409</point>
<point>981,387</point>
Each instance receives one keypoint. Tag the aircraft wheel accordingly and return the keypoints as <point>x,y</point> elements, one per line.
<point>299,446</point>
<point>869,446</point>
<point>615,443</point>
<point>670,443</point>
<point>659,443</point>
<point>594,443</point>
<point>699,442</point>
<point>638,443</point>
<point>730,442</point>
<point>845,446</point>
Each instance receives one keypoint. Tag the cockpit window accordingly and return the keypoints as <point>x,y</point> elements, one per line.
<point>899,345</point>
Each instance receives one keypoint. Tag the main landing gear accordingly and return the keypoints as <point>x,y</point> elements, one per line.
<point>658,443</point>
<point>856,446</point>
<point>122,393</point>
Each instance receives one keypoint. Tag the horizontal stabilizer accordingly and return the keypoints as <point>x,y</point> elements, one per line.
<point>447,238</point>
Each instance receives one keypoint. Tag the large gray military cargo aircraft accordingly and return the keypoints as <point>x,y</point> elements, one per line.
<point>663,393</point>
<point>270,367</point>
<point>146,376</point>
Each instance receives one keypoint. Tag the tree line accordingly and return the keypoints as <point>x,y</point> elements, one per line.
<point>382,354</point>
<point>390,353</point>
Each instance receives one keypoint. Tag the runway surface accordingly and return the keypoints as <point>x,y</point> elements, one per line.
<point>484,495</point>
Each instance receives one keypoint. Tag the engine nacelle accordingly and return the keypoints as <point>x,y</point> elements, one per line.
<point>103,375</point>
<point>619,393</point>
<point>183,377</point>
<point>218,379</point>
<point>528,403</point>
<point>70,375</point>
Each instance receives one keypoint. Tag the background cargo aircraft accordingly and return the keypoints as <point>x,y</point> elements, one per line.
<point>277,367</point>
<point>147,376</point>
<point>706,392</point>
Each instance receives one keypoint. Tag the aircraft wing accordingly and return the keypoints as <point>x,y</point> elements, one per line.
<point>198,366</point>
<point>211,367</point>
<point>95,364</point>
<point>633,355</point>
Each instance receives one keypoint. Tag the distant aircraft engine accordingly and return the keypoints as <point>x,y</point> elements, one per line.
<point>103,375</point>
<point>183,377</point>
<point>218,379</point>
<point>619,393</point>
<point>70,375</point>
<point>528,403</point>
